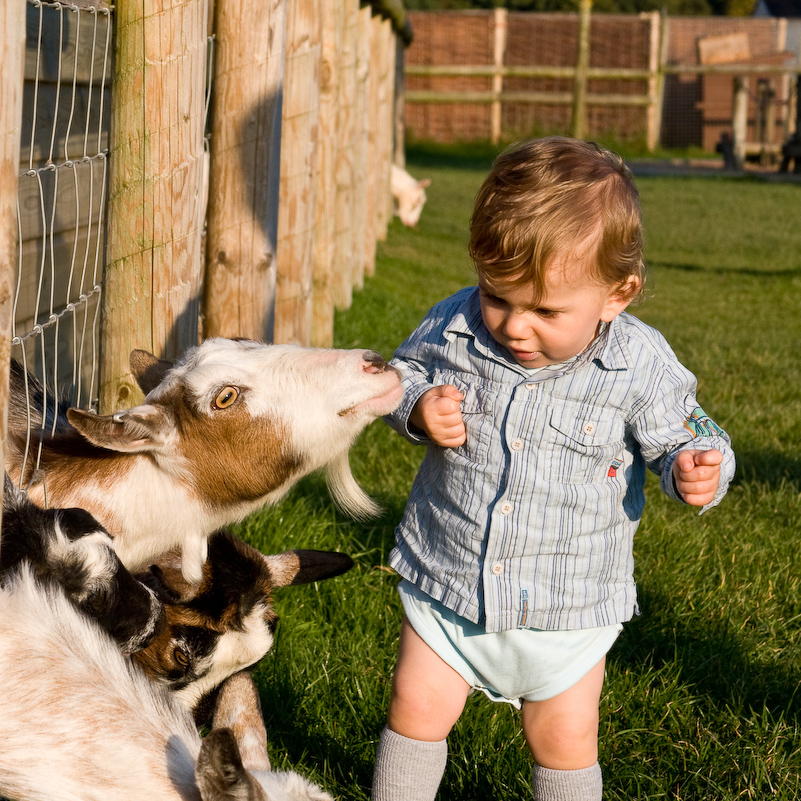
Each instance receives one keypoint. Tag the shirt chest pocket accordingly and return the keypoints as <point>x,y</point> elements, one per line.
<point>476,407</point>
<point>584,444</point>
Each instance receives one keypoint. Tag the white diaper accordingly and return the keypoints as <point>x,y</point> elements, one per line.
<point>512,666</point>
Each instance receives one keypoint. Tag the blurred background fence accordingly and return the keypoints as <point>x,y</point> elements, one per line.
<point>187,170</point>
<point>660,81</point>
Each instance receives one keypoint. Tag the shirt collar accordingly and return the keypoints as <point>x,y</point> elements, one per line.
<point>609,348</point>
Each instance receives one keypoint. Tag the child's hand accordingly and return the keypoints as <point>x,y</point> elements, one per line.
<point>438,414</point>
<point>697,475</point>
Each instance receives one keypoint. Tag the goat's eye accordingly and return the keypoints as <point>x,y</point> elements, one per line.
<point>226,397</point>
<point>181,658</point>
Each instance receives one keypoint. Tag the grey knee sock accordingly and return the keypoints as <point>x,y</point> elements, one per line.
<point>567,785</point>
<point>407,770</point>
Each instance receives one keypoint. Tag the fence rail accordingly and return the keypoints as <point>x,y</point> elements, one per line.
<point>523,66</point>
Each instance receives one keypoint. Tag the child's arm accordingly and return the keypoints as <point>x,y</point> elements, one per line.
<point>696,475</point>
<point>439,415</point>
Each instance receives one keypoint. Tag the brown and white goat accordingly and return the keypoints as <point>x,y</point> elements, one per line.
<point>222,433</point>
<point>82,723</point>
<point>70,549</point>
<point>226,623</point>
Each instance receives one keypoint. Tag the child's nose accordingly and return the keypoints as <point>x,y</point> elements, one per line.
<point>517,326</point>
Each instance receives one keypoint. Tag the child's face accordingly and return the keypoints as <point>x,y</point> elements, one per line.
<point>559,326</point>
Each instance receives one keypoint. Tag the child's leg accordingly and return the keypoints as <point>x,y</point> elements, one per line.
<point>562,734</point>
<point>427,698</point>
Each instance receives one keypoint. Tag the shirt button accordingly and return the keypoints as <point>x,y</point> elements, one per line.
<point>530,387</point>
<point>497,568</point>
<point>506,508</point>
<point>589,428</point>
<point>517,444</point>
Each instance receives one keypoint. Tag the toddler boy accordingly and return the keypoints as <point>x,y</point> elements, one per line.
<point>541,403</point>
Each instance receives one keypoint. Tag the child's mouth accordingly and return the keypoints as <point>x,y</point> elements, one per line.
<point>524,355</point>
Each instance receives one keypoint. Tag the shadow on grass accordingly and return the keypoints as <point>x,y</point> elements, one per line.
<point>713,661</point>
<point>766,467</point>
<point>725,270</point>
<point>294,732</point>
<point>468,155</point>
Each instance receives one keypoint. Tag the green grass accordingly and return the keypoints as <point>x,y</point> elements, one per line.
<point>702,696</point>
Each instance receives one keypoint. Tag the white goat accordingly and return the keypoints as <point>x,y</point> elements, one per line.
<point>227,430</point>
<point>409,195</point>
<point>81,723</point>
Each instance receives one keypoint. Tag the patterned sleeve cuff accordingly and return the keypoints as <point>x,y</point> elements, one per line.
<point>727,468</point>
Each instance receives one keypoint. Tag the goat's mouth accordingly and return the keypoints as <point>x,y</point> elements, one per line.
<point>376,406</point>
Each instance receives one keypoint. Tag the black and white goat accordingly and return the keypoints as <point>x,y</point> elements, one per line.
<point>226,623</point>
<point>70,549</point>
<point>82,723</point>
<point>222,433</point>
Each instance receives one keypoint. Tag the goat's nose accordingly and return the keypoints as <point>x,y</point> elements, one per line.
<point>374,362</point>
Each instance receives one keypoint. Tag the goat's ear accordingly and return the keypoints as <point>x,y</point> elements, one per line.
<point>304,567</point>
<point>148,371</point>
<point>219,772</point>
<point>11,495</point>
<point>133,431</point>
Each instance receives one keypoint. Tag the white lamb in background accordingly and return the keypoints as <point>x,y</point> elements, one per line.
<point>82,723</point>
<point>409,195</point>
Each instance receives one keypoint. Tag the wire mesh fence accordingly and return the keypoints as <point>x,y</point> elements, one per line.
<point>61,195</point>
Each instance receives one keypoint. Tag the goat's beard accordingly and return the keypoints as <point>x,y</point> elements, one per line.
<point>347,494</point>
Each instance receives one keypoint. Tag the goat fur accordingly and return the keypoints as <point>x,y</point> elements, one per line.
<point>409,195</point>
<point>227,430</point>
<point>68,547</point>
<point>82,723</point>
<point>226,623</point>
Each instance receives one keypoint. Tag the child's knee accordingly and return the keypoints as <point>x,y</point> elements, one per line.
<point>424,711</point>
<point>562,741</point>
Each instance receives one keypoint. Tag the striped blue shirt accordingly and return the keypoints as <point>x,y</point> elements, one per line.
<point>531,522</point>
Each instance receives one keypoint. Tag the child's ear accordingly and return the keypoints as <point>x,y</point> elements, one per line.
<point>619,298</point>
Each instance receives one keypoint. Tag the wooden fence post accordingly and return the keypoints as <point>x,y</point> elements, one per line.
<point>322,334</point>
<point>655,64</point>
<point>384,39</point>
<point>152,281</point>
<point>341,285</point>
<point>499,52</point>
<point>740,118</point>
<point>399,143</point>
<point>363,177</point>
<point>12,68</point>
<point>242,228</point>
<point>299,158</point>
<point>579,119</point>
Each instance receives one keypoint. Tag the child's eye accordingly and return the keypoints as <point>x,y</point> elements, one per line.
<point>547,313</point>
<point>491,298</point>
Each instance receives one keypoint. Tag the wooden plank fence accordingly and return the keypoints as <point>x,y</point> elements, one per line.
<point>249,157</point>
<point>571,84</point>
<point>301,89</point>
